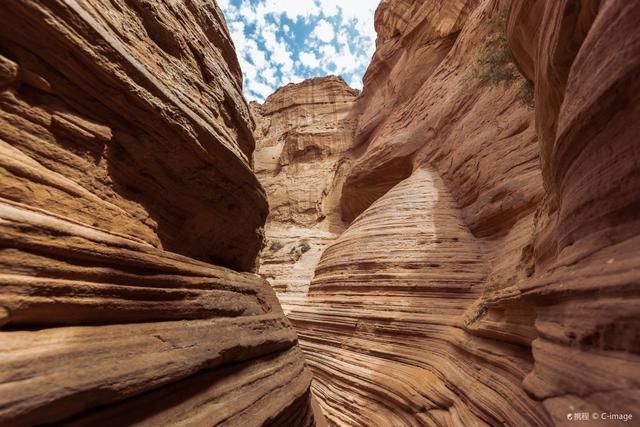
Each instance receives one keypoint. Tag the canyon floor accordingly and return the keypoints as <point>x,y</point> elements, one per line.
<point>458,244</point>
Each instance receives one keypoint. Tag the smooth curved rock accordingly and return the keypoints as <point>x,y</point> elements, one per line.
<point>488,275</point>
<point>383,326</point>
<point>587,244</point>
<point>125,168</point>
<point>113,134</point>
<point>391,122</point>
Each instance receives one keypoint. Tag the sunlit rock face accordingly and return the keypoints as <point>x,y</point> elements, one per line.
<point>487,273</point>
<point>397,325</point>
<point>125,174</point>
<point>154,109</point>
<point>302,134</point>
<point>459,244</point>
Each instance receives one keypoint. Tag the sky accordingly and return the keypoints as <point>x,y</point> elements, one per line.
<point>284,41</point>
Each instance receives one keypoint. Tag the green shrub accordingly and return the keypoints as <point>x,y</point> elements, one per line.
<point>526,92</point>
<point>494,63</point>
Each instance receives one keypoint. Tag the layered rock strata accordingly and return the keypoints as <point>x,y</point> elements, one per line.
<point>302,133</point>
<point>487,273</point>
<point>587,244</point>
<point>125,175</point>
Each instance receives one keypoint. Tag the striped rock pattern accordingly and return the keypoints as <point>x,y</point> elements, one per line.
<point>487,276</point>
<point>585,65</point>
<point>384,324</point>
<point>302,133</point>
<point>125,175</point>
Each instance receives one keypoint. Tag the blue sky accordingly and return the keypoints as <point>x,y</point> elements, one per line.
<point>283,41</point>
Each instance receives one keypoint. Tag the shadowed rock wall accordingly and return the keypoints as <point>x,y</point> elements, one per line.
<point>584,57</point>
<point>125,174</point>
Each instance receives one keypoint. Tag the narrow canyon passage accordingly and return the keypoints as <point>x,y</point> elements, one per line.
<point>458,244</point>
<point>442,295</point>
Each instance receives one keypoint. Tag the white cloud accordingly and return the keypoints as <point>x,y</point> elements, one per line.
<point>268,74</point>
<point>309,59</point>
<point>328,51</point>
<point>324,31</point>
<point>356,83</point>
<point>351,9</point>
<point>343,37</point>
<point>270,41</point>
<point>280,54</point>
<point>261,89</point>
<point>293,8</point>
<point>248,13</point>
<point>292,78</point>
<point>236,26</point>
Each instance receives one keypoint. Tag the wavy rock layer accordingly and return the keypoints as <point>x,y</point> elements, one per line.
<point>126,153</point>
<point>302,133</point>
<point>487,276</point>
<point>383,326</point>
<point>587,244</point>
<point>146,106</point>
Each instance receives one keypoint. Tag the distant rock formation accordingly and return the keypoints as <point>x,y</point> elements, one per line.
<point>125,173</point>
<point>302,133</point>
<point>488,271</point>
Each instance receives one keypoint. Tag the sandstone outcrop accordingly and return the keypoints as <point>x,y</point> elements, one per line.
<point>486,274</point>
<point>457,245</point>
<point>125,175</point>
<point>586,251</point>
<point>398,303</point>
<point>140,117</point>
<point>302,133</point>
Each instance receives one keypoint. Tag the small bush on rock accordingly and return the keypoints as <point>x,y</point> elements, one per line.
<point>494,63</point>
<point>526,92</point>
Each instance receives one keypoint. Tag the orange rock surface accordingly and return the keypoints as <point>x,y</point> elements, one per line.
<point>125,174</point>
<point>457,245</point>
<point>302,133</point>
<point>486,273</point>
<point>587,246</point>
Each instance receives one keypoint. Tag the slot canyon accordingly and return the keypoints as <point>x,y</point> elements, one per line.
<point>458,244</point>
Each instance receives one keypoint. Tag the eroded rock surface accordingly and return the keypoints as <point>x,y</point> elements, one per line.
<point>487,273</point>
<point>303,131</point>
<point>457,245</point>
<point>125,174</point>
<point>587,245</point>
<point>146,107</point>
